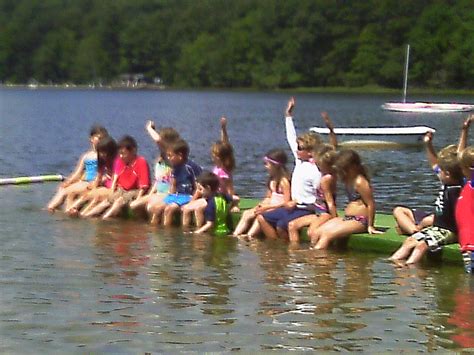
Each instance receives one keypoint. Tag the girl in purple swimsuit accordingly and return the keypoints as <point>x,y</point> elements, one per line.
<point>360,209</point>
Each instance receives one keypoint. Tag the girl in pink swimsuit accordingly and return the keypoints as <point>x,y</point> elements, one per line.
<point>222,154</point>
<point>278,193</point>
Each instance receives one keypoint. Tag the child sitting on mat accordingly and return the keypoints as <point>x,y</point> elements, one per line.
<point>183,183</point>
<point>83,175</point>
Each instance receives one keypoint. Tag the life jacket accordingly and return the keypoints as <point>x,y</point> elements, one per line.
<point>221,224</point>
<point>465,217</point>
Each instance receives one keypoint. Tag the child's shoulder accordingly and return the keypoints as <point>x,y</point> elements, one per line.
<point>193,166</point>
<point>90,154</point>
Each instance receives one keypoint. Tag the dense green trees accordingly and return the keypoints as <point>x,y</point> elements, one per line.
<point>239,43</point>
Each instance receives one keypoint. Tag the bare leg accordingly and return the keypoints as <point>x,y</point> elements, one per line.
<point>315,224</point>
<point>295,225</point>
<point>267,229</point>
<point>244,222</point>
<point>169,213</point>
<point>57,200</point>
<point>420,250</point>
<point>155,209</point>
<point>282,233</point>
<point>405,249</point>
<point>97,210</point>
<point>405,220</point>
<point>254,230</point>
<point>191,207</point>
<point>115,209</point>
<point>336,230</point>
<point>94,202</point>
<point>139,202</point>
<point>199,215</point>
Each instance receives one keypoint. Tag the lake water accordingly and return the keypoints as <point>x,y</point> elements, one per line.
<point>124,287</point>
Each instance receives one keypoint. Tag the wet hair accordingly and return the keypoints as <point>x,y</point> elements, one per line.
<point>209,179</point>
<point>278,159</point>
<point>98,129</point>
<point>127,142</point>
<point>181,147</point>
<point>467,158</point>
<point>108,146</point>
<point>348,159</point>
<point>225,153</point>
<point>309,141</point>
<point>450,164</point>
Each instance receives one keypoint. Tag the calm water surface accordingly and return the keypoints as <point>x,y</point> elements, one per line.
<point>89,286</point>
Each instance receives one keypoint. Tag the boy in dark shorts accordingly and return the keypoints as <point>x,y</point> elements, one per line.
<point>444,229</point>
<point>216,213</point>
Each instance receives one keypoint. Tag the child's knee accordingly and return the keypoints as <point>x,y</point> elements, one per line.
<point>422,246</point>
<point>292,226</point>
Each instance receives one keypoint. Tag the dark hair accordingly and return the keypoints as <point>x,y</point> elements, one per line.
<point>209,179</point>
<point>98,129</point>
<point>127,142</point>
<point>280,159</point>
<point>108,146</point>
<point>180,147</point>
<point>225,153</point>
<point>168,135</point>
<point>349,159</point>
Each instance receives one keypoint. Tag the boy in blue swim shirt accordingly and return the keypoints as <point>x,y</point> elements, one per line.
<point>183,182</point>
<point>217,212</point>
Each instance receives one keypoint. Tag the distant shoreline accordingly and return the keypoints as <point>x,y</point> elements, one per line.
<point>374,90</point>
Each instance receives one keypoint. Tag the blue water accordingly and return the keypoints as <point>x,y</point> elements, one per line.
<point>124,287</point>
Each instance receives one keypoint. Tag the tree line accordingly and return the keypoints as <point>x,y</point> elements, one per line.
<point>239,43</point>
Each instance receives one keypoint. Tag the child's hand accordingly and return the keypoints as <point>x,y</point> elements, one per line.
<point>259,209</point>
<point>467,123</point>
<point>290,106</point>
<point>372,230</point>
<point>428,138</point>
<point>223,121</point>
<point>150,125</point>
<point>290,205</point>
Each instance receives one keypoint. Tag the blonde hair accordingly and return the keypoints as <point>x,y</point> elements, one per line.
<point>309,140</point>
<point>449,162</point>
<point>467,158</point>
<point>448,151</point>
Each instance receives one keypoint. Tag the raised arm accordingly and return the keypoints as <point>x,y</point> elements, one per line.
<point>464,133</point>
<point>224,135</point>
<point>150,128</point>
<point>290,127</point>
<point>332,136</point>
<point>430,151</point>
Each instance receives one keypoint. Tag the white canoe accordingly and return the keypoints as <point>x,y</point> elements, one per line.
<point>377,136</point>
<point>426,107</point>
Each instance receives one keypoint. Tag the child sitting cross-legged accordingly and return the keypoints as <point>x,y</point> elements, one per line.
<point>183,183</point>
<point>444,230</point>
<point>217,211</point>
